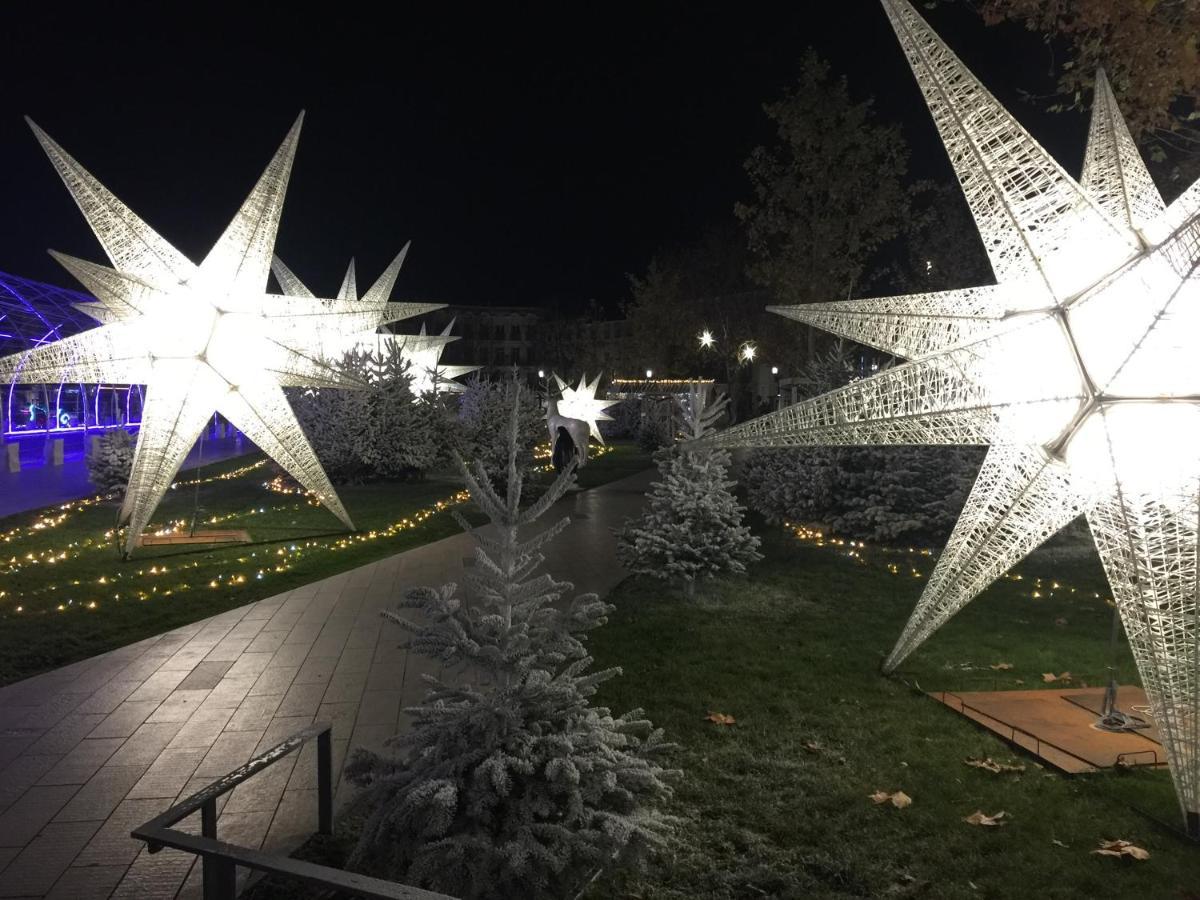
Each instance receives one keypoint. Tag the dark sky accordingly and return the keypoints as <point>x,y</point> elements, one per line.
<point>533,156</point>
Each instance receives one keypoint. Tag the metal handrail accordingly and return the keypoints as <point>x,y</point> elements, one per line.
<point>220,859</point>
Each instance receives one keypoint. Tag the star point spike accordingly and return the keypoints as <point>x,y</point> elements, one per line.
<point>238,264</point>
<point>1023,202</point>
<point>132,246</point>
<point>1113,169</point>
<point>349,289</point>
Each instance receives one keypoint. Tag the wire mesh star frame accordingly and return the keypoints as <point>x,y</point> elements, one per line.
<point>1077,369</point>
<point>422,352</point>
<point>202,338</point>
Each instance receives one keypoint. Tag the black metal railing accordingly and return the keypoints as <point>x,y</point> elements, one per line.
<point>220,860</point>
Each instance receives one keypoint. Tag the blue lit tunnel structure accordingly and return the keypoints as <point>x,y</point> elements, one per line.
<point>31,314</point>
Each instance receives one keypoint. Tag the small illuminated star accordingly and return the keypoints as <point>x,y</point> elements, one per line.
<point>581,403</point>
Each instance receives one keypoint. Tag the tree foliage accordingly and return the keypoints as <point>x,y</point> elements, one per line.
<point>509,783</point>
<point>1147,48</point>
<point>693,287</point>
<point>381,431</point>
<point>692,526</point>
<point>112,462</point>
<point>881,494</point>
<point>827,195</point>
<point>483,414</point>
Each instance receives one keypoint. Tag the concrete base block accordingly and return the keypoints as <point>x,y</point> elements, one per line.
<point>13,452</point>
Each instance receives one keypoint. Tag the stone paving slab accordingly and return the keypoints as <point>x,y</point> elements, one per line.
<point>91,750</point>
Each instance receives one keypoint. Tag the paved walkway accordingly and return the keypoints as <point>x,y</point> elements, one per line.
<point>94,749</point>
<point>41,484</point>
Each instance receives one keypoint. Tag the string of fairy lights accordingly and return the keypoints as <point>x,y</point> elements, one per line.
<point>167,579</point>
<point>918,560</point>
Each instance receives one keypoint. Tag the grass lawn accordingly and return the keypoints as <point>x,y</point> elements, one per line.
<point>65,593</point>
<point>777,805</point>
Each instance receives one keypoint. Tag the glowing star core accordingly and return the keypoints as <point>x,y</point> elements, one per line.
<point>1077,369</point>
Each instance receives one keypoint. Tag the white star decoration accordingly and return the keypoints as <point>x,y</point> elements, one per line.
<point>1078,368</point>
<point>202,338</point>
<point>581,403</point>
<point>423,352</point>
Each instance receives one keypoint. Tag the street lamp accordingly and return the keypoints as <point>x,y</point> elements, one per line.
<point>747,352</point>
<point>649,374</point>
<point>707,339</point>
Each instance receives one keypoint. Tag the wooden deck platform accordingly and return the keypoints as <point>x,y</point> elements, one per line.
<point>1058,726</point>
<point>226,536</point>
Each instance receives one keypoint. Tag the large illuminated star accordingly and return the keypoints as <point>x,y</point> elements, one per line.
<point>1078,368</point>
<point>581,403</point>
<point>423,352</point>
<point>202,338</point>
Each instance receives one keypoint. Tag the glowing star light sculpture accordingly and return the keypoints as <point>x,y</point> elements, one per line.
<point>581,403</point>
<point>202,338</point>
<point>1079,368</point>
<point>423,352</point>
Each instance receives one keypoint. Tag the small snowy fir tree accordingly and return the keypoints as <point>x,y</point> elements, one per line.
<point>509,783</point>
<point>692,527</point>
<point>483,414</point>
<point>109,466</point>
<point>380,430</point>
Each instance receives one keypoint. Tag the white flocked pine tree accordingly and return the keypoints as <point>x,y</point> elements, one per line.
<point>692,527</point>
<point>109,466</point>
<point>509,783</point>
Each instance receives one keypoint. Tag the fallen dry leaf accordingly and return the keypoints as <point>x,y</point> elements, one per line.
<point>1057,843</point>
<point>979,817</point>
<point>814,746</point>
<point>898,799</point>
<point>1049,677</point>
<point>992,766</point>
<point>1122,848</point>
<point>1060,621</point>
<point>720,719</point>
<point>1002,667</point>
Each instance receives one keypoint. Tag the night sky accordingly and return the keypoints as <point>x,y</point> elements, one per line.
<point>533,157</point>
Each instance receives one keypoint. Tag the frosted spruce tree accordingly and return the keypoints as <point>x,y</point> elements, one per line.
<point>692,527</point>
<point>880,494</point>
<point>509,783</point>
<point>483,416</point>
<point>380,431</point>
<point>109,466</point>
